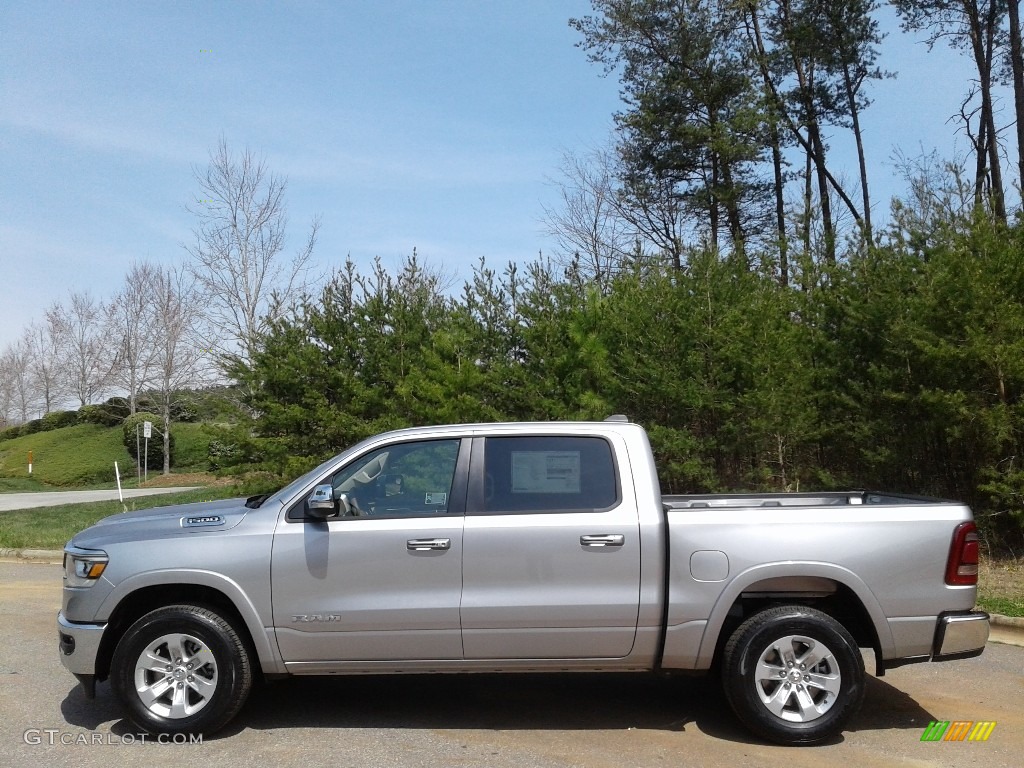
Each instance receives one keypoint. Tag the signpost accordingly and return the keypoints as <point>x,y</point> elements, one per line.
<point>147,432</point>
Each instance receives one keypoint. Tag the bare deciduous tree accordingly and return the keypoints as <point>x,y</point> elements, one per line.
<point>130,326</point>
<point>16,393</point>
<point>87,362</point>
<point>657,214</point>
<point>43,345</point>
<point>238,258</point>
<point>976,26</point>
<point>179,358</point>
<point>6,391</point>
<point>587,226</point>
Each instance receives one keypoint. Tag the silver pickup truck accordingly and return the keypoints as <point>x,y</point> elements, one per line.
<point>513,548</point>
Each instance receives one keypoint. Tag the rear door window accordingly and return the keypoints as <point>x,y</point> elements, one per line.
<point>548,474</point>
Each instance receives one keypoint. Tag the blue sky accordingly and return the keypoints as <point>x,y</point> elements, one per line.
<point>434,124</point>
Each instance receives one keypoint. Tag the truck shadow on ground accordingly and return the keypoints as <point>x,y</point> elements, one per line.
<point>502,702</point>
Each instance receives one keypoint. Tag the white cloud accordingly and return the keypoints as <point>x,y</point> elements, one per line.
<point>111,133</point>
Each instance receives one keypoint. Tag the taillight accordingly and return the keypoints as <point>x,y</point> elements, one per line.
<point>962,567</point>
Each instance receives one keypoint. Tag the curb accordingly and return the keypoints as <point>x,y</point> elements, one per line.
<point>1008,630</point>
<point>997,619</point>
<point>54,556</point>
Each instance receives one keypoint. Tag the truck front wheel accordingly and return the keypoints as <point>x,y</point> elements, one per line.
<point>181,669</point>
<point>793,675</point>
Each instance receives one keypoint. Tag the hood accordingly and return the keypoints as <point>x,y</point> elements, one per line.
<point>163,522</point>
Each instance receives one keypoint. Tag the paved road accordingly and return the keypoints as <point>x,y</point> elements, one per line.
<point>522,721</point>
<point>10,501</point>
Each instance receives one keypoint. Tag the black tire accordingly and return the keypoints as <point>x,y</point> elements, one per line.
<point>181,669</point>
<point>781,701</point>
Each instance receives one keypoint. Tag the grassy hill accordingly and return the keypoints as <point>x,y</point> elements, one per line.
<point>84,454</point>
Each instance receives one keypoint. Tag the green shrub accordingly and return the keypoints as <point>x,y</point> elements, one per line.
<point>98,414</point>
<point>59,419</point>
<point>121,408</point>
<point>155,456</point>
<point>10,433</point>
<point>118,406</point>
<point>234,446</point>
<point>31,427</point>
<point>191,446</point>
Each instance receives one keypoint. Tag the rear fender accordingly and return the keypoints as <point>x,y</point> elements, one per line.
<point>748,578</point>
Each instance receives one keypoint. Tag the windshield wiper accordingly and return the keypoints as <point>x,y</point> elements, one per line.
<point>253,502</point>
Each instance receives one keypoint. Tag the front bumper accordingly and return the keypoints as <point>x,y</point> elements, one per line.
<point>960,635</point>
<point>79,646</point>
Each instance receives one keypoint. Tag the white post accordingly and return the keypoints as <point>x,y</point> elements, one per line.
<point>120,495</point>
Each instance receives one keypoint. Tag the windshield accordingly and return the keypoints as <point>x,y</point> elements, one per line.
<point>294,486</point>
<point>300,481</point>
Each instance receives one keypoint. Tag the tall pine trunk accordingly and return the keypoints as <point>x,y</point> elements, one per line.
<point>851,96</point>
<point>982,36</point>
<point>1017,65</point>
<point>780,206</point>
<point>825,201</point>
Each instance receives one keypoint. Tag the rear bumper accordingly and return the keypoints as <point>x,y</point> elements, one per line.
<point>955,635</point>
<point>960,635</point>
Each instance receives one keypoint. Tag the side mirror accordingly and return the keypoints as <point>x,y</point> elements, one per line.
<point>321,504</point>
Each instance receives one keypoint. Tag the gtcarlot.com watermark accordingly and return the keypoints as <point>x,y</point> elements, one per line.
<point>54,736</point>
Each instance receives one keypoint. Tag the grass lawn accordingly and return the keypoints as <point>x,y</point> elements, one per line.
<point>24,485</point>
<point>83,456</point>
<point>1001,587</point>
<point>78,456</point>
<point>51,527</point>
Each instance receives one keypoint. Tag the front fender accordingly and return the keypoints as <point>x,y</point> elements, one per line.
<point>265,645</point>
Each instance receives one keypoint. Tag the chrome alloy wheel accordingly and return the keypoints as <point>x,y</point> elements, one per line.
<point>175,676</point>
<point>797,678</point>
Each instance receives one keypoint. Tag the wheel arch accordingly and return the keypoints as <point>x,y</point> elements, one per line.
<point>151,591</point>
<point>829,588</point>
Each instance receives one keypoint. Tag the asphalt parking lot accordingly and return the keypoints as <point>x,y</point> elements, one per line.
<point>484,720</point>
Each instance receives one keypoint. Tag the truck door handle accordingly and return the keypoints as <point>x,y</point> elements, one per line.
<point>608,540</point>
<point>422,545</point>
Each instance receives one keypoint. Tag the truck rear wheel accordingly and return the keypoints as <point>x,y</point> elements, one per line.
<point>181,669</point>
<point>793,675</point>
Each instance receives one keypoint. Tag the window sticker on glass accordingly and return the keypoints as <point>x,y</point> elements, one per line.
<point>435,498</point>
<point>545,471</point>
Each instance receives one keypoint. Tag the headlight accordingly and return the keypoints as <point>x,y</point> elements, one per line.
<point>83,567</point>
